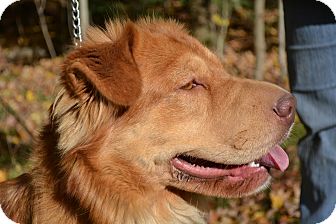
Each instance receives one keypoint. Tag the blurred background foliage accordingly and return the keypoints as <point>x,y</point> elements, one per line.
<point>28,77</point>
<point>20,26</point>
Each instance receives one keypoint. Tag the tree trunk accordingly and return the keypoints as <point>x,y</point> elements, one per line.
<point>259,38</point>
<point>282,42</point>
<point>40,6</point>
<point>84,15</point>
<point>224,9</point>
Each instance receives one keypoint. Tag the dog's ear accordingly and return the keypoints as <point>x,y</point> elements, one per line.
<point>109,68</point>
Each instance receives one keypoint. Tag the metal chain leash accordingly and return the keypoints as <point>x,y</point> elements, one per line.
<point>76,25</point>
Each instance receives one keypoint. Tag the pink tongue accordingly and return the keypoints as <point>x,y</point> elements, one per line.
<point>276,158</point>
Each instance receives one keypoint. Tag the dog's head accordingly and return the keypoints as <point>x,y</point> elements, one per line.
<point>147,103</point>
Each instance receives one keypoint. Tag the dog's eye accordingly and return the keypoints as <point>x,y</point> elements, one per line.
<point>190,85</point>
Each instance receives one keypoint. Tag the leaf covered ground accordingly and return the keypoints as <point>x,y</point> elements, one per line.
<point>27,91</point>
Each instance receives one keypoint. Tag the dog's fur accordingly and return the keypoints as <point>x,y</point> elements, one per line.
<point>135,96</point>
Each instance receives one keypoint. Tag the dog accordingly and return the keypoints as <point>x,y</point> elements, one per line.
<point>146,114</point>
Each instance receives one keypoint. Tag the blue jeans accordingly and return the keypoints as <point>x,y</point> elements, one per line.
<point>311,54</point>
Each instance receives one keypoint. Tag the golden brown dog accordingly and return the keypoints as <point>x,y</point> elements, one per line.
<point>146,112</point>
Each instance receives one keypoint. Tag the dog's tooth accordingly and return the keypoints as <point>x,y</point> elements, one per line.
<point>253,164</point>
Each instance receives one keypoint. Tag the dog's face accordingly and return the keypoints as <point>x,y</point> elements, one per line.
<point>172,116</point>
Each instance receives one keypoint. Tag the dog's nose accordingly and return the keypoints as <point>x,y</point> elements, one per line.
<point>285,108</point>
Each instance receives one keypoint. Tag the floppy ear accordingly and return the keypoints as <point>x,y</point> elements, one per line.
<point>109,68</point>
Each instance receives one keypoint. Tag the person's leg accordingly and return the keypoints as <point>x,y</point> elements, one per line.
<point>311,51</point>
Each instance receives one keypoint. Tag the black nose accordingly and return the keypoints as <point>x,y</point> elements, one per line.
<point>285,108</point>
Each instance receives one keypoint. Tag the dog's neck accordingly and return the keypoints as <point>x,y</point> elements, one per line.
<point>103,199</point>
<point>102,204</point>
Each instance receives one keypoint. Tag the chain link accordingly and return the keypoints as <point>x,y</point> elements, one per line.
<point>76,25</point>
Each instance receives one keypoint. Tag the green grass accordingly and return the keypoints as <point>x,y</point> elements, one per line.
<point>297,133</point>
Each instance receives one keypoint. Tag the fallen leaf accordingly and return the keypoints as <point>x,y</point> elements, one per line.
<point>3,176</point>
<point>30,96</point>
<point>277,200</point>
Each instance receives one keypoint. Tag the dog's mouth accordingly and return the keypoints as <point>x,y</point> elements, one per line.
<point>189,166</point>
